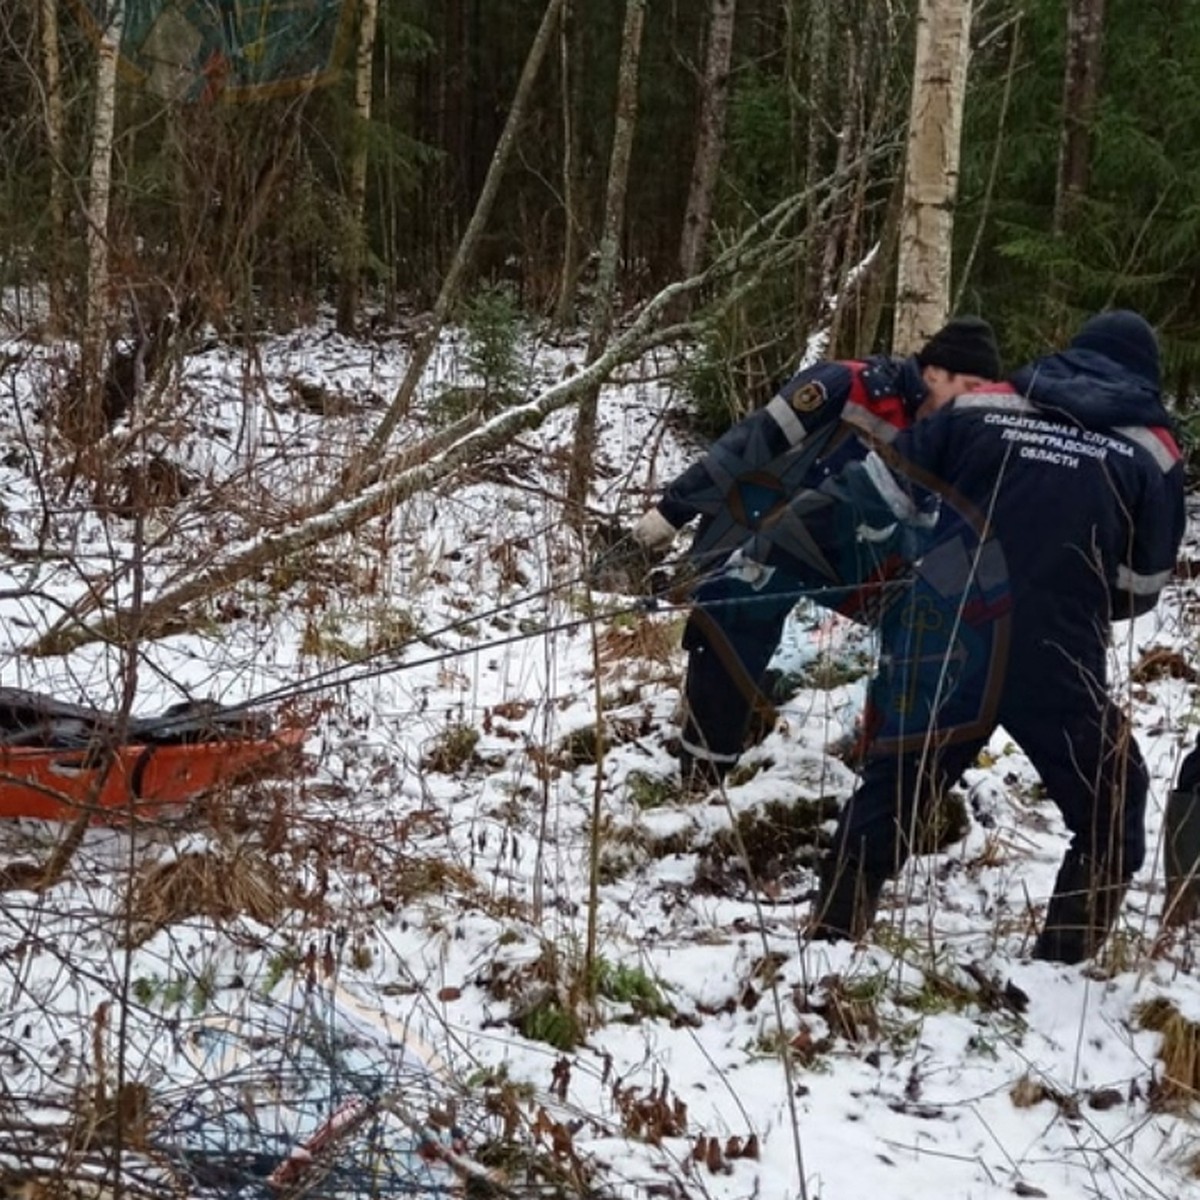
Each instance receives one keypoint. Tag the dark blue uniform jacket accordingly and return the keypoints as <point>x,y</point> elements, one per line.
<point>1058,496</point>
<point>824,417</point>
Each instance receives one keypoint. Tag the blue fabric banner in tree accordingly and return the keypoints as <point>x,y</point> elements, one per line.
<point>204,51</point>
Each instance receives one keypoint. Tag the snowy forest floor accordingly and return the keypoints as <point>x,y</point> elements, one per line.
<point>479,921</point>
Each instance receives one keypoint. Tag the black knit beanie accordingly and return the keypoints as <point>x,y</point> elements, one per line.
<point>1124,338</point>
<point>964,346</point>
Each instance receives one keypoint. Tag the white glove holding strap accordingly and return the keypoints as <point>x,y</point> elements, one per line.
<point>740,566</point>
<point>653,532</point>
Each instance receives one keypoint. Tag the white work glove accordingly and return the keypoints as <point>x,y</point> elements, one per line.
<point>740,566</point>
<point>653,532</point>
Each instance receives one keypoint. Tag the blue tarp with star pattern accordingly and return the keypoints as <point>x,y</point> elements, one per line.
<point>205,51</point>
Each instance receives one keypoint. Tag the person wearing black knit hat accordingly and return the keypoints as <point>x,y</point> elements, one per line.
<point>1061,510</point>
<point>823,417</point>
<point>963,346</point>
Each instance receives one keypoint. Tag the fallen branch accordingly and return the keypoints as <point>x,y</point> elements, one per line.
<point>763,247</point>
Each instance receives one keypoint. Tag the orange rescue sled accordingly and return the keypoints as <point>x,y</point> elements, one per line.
<point>59,761</point>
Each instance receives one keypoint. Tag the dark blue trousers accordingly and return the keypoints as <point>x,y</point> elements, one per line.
<point>1078,740</point>
<point>730,637</point>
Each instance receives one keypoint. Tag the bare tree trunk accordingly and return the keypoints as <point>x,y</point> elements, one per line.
<point>86,423</point>
<point>851,278</point>
<point>256,201</point>
<point>868,251</point>
<point>710,140</point>
<point>402,400</point>
<point>836,228</point>
<point>998,144</point>
<point>792,73</point>
<point>348,294</point>
<point>1081,86</point>
<point>931,171</point>
<point>614,223</point>
<point>55,142</point>
<point>816,133</point>
<point>880,272</point>
<point>571,52</point>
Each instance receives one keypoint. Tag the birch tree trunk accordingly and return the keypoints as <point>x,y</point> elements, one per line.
<point>402,400</point>
<point>931,171</point>
<point>1081,87</point>
<point>710,140</point>
<point>86,422</point>
<point>583,454</point>
<point>55,143</point>
<point>348,293</point>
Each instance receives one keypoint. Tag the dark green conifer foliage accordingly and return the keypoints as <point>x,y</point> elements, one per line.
<point>187,218</point>
<point>1136,242</point>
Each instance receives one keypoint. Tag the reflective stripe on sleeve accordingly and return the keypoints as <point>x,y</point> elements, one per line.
<point>705,754</point>
<point>1137,584</point>
<point>1004,401</point>
<point>892,494</point>
<point>1149,441</point>
<point>783,416</point>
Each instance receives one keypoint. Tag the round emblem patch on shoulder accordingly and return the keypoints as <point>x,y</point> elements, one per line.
<point>810,397</point>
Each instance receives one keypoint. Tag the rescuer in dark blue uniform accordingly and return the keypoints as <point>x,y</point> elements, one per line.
<point>1061,511</point>
<point>823,418</point>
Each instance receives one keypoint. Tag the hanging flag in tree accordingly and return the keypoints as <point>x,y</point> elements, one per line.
<point>203,51</point>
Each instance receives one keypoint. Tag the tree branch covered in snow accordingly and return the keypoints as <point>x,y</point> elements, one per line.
<point>767,245</point>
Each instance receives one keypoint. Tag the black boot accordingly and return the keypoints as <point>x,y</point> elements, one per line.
<point>846,902</point>
<point>1181,855</point>
<point>1087,898</point>
<point>697,774</point>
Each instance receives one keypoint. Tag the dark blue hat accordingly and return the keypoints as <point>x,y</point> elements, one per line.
<point>1125,338</point>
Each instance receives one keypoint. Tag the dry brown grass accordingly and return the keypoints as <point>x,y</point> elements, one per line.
<point>765,845</point>
<point>1026,1092</point>
<point>850,1010</point>
<point>1191,1164</point>
<point>412,878</point>
<point>1162,662</point>
<point>211,884</point>
<point>1179,1054</point>
<point>33,1185</point>
<point>634,648</point>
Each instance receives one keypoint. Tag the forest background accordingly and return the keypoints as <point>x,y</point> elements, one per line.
<point>682,196</point>
<point>1079,170</point>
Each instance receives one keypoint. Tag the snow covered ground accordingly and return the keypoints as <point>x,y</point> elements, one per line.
<point>456,851</point>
